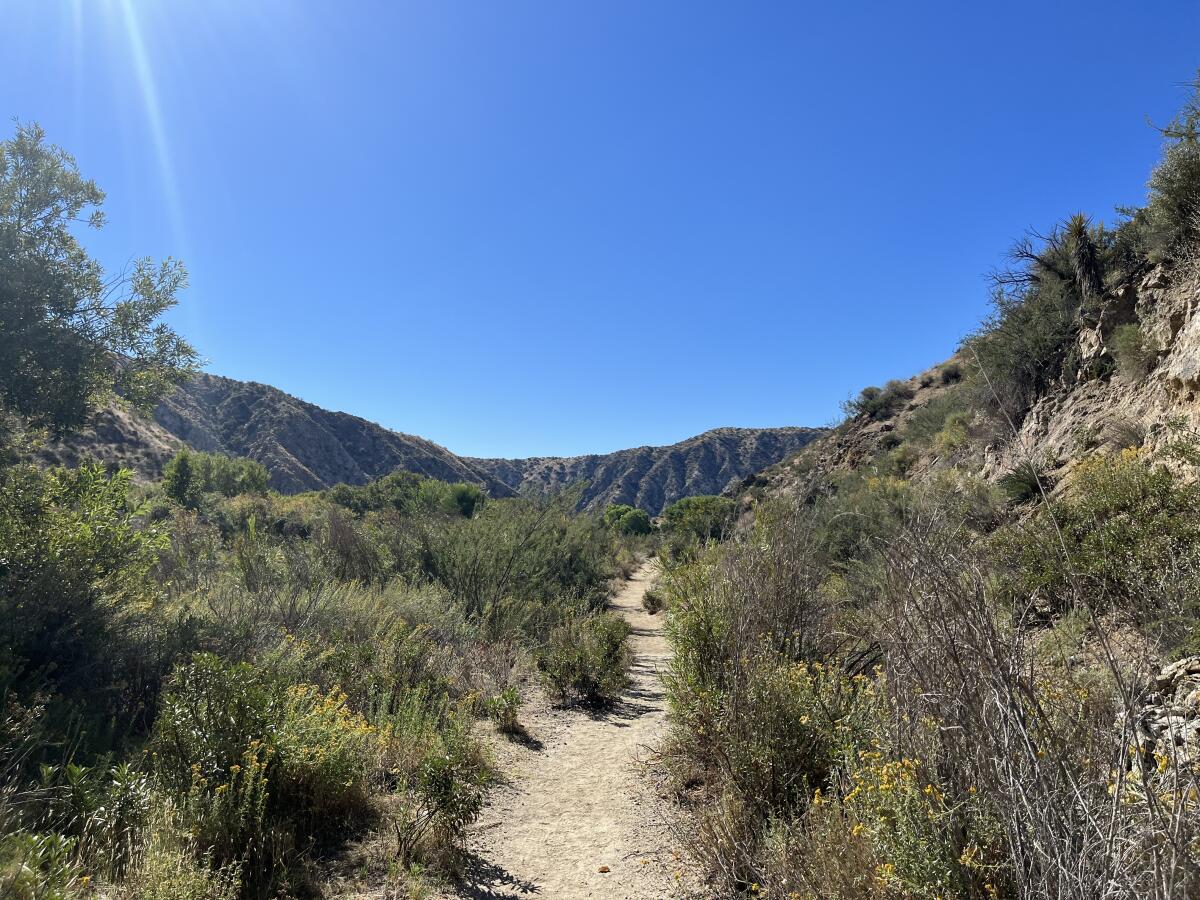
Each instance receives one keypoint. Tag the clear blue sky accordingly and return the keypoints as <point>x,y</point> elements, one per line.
<point>558,227</point>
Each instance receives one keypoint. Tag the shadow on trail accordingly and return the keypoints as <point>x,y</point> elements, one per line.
<point>484,880</point>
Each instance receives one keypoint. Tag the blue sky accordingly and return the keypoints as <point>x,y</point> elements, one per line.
<point>525,228</point>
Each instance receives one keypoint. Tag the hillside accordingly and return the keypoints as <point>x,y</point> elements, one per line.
<point>653,477</point>
<point>305,447</point>
<point>1103,402</point>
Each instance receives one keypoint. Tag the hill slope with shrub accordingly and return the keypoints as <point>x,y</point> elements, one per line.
<point>953,649</point>
<point>305,447</point>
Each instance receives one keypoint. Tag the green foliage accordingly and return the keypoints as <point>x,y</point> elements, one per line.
<point>879,403</point>
<point>704,517</point>
<point>924,423</point>
<point>950,373</point>
<point>191,474</point>
<point>409,494</point>
<point>258,759</point>
<point>519,550</point>
<point>654,601</point>
<point>75,588</point>
<point>69,333</point>
<point>585,657</point>
<point>1131,534</point>
<point>625,519</point>
<point>503,709</point>
<point>1168,223</point>
<point>1025,483</point>
<point>1135,357</point>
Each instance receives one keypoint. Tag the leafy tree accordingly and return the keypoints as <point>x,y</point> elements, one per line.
<point>191,474</point>
<point>625,519</point>
<point>178,480</point>
<point>70,333</point>
<point>704,516</point>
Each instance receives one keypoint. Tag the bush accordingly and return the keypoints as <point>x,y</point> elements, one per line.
<point>704,517</point>
<point>76,589</point>
<point>625,519</point>
<point>585,658</point>
<point>924,422</point>
<point>539,552</point>
<point>1025,483</point>
<point>191,474</point>
<point>1135,358</point>
<point>879,403</point>
<point>503,709</point>
<point>258,765</point>
<point>1130,530</point>
<point>430,756</point>
<point>653,601</point>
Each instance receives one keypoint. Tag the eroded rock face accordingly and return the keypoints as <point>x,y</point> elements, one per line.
<point>1168,725</point>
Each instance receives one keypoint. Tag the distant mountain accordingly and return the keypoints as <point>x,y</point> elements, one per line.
<point>305,447</point>
<point>654,477</point>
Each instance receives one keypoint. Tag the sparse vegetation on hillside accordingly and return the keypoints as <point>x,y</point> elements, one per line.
<point>910,682</point>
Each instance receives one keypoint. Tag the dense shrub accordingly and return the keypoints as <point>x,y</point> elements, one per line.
<point>703,517</point>
<point>76,593</point>
<point>925,422</point>
<point>191,474</point>
<point>653,601</point>
<point>262,764</point>
<point>880,403</point>
<point>536,551</point>
<point>1129,528</point>
<point>585,658</point>
<point>625,519</point>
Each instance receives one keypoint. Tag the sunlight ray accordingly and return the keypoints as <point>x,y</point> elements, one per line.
<point>154,118</point>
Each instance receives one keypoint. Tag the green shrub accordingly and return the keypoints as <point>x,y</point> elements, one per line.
<point>439,771</point>
<point>1130,532</point>
<point>257,764</point>
<point>924,423</point>
<point>191,474</point>
<point>955,433</point>
<point>503,709</point>
<point>1135,358</point>
<point>653,601</point>
<point>705,517</point>
<point>879,403</point>
<point>586,658</point>
<point>1026,482</point>
<point>40,866</point>
<point>1168,222</point>
<point>625,519</point>
<point>76,592</point>
<point>537,551</point>
<point>950,373</point>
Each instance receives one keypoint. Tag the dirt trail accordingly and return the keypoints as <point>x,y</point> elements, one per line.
<point>578,800</point>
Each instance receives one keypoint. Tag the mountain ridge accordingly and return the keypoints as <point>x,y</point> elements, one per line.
<point>306,447</point>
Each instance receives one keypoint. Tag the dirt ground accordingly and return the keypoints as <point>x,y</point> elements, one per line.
<point>579,815</point>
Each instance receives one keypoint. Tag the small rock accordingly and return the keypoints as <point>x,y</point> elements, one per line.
<point>604,870</point>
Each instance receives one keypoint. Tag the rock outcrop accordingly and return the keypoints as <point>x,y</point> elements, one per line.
<point>1168,726</point>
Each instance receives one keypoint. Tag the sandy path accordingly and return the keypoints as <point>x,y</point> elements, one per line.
<point>578,799</point>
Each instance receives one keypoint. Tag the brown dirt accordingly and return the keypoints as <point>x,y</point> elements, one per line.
<point>579,795</point>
